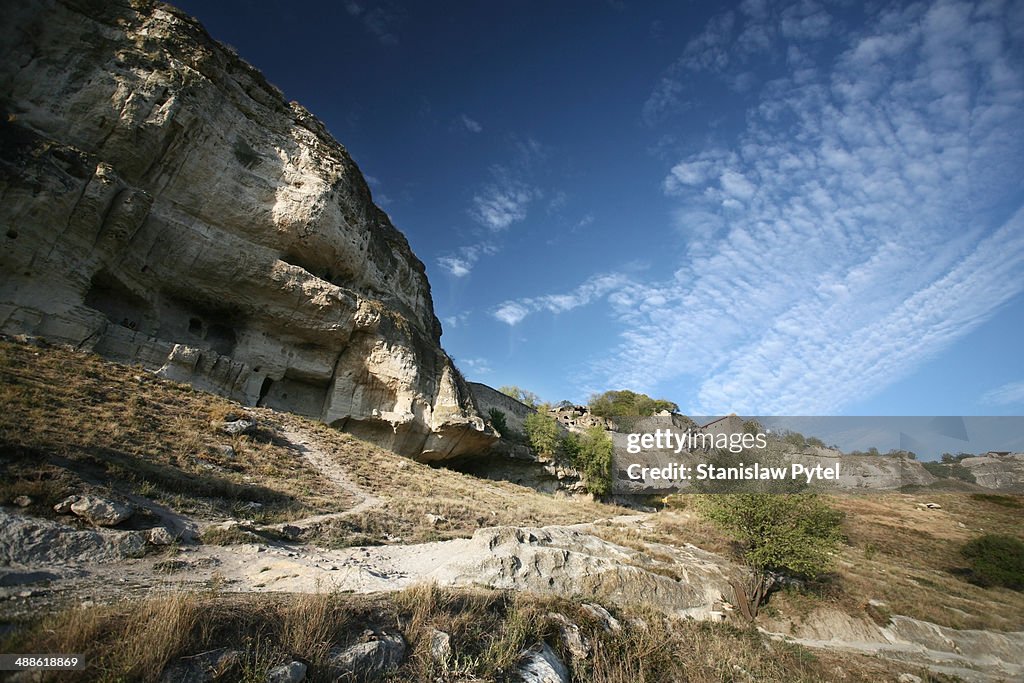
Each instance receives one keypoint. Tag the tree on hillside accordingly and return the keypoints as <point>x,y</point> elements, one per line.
<point>591,453</point>
<point>542,433</point>
<point>522,395</point>
<point>795,534</point>
<point>626,403</point>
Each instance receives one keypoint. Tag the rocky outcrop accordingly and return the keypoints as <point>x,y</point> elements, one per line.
<point>161,203</point>
<point>1002,472</point>
<point>969,655</point>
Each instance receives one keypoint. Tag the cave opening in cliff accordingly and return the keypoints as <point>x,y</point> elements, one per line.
<point>118,303</point>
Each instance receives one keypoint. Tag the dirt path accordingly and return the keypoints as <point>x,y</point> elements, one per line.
<point>329,468</point>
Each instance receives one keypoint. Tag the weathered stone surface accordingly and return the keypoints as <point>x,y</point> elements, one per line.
<point>1002,472</point>
<point>566,561</point>
<point>29,540</point>
<point>203,667</point>
<point>161,203</point>
<point>440,645</point>
<point>100,511</point>
<point>540,664</point>
<point>160,536</point>
<point>378,653</point>
<point>292,672</point>
<point>571,636</point>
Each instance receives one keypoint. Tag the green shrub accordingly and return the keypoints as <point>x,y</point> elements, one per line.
<point>949,470</point>
<point>626,403</point>
<point>996,560</point>
<point>542,433</point>
<point>591,453</point>
<point>498,421</point>
<point>778,533</point>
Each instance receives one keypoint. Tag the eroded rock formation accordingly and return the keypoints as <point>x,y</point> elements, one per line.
<point>161,203</point>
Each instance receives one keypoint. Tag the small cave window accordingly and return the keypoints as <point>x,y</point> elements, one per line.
<point>264,390</point>
<point>222,339</point>
<point>195,326</point>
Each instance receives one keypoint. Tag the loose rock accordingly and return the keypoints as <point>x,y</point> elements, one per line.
<point>292,672</point>
<point>375,655</point>
<point>540,664</point>
<point>22,501</point>
<point>100,511</point>
<point>610,623</point>
<point>571,636</point>
<point>440,645</point>
<point>160,536</point>
<point>203,667</point>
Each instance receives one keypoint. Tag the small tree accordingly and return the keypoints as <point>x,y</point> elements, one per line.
<point>591,452</point>
<point>522,395</point>
<point>779,534</point>
<point>542,433</point>
<point>498,421</point>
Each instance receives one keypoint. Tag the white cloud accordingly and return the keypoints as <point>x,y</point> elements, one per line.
<point>511,313</point>
<point>380,20</point>
<point>475,366</point>
<point>505,200</point>
<point>855,227</point>
<point>462,264</point>
<point>595,288</point>
<point>459,267</point>
<point>1009,394</point>
<point>471,125</point>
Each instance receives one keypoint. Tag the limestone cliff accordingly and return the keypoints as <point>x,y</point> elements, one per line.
<point>161,203</point>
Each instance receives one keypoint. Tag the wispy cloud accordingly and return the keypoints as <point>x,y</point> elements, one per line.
<point>475,366</point>
<point>462,264</point>
<point>1009,394</point>
<point>379,19</point>
<point>594,289</point>
<point>865,217</point>
<point>472,125</point>
<point>502,203</point>
<point>506,199</point>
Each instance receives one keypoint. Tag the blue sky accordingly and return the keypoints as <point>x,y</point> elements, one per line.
<point>802,208</point>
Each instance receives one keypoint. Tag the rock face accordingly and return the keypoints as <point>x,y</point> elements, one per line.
<point>1002,472</point>
<point>161,203</point>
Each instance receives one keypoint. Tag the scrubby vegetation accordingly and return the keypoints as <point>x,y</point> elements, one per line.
<point>995,560</point>
<point>137,639</point>
<point>591,452</point>
<point>791,534</point>
<point>626,403</point>
<point>522,395</point>
<point>949,470</point>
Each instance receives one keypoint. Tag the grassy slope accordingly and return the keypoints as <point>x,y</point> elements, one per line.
<point>70,420</point>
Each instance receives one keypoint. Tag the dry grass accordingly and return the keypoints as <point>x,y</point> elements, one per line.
<point>70,421</point>
<point>410,491</point>
<point>897,552</point>
<point>488,631</point>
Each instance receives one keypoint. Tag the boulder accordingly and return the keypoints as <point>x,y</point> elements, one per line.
<point>160,536</point>
<point>202,667</point>
<point>30,540</point>
<point>100,511</point>
<point>377,653</point>
<point>292,672</point>
<point>540,664</point>
<point>440,645</point>
<point>22,501</point>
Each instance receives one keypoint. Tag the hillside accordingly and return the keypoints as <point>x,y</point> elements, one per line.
<point>294,523</point>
